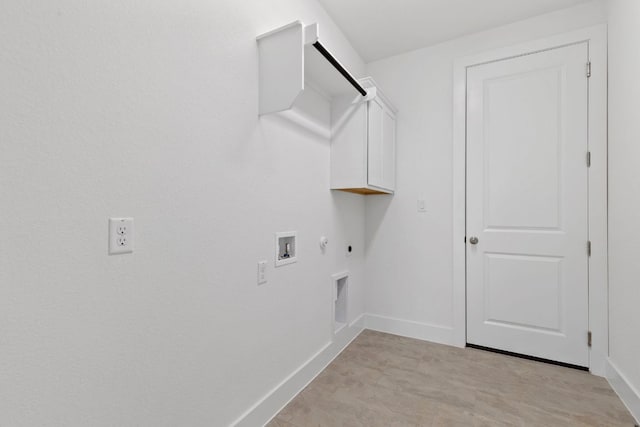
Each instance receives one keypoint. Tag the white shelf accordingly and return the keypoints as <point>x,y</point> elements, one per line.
<point>290,57</point>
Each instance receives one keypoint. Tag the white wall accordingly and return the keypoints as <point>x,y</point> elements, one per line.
<point>624,189</point>
<point>409,254</point>
<point>149,109</point>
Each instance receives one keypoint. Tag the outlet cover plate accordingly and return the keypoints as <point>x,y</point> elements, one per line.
<point>120,235</point>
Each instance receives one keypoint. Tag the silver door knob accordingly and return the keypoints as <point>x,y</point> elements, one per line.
<point>473,240</point>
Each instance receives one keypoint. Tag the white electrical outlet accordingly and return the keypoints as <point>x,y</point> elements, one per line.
<point>120,235</point>
<point>262,272</point>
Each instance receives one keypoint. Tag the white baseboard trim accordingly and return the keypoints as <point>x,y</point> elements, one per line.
<point>627,393</point>
<point>267,407</point>
<point>408,328</point>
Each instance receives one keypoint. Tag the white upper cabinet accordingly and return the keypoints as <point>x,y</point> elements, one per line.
<point>363,142</point>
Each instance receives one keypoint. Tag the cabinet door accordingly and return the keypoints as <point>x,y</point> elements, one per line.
<point>375,153</point>
<point>381,146</point>
<point>388,150</point>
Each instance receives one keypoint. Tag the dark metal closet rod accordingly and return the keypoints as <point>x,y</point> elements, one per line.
<point>340,68</point>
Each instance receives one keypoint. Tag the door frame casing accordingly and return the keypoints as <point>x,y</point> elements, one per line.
<point>596,37</point>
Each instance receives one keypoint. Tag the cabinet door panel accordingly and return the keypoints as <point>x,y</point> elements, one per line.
<point>375,154</point>
<point>389,151</point>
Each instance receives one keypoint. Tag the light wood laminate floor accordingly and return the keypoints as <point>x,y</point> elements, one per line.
<point>386,380</point>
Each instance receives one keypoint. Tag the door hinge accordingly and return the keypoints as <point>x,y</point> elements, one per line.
<point>588,159</point>
<point>589,247</point>
<point>588,69</point>
<point>589,336</point>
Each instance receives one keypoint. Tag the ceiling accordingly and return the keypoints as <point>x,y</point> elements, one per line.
<point>382,28</point>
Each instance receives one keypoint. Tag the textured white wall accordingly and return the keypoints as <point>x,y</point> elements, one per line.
<point>409,254</point>
<point>149,109</point>
<point>624,188</point>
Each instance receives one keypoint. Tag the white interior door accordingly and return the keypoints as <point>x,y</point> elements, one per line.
<point>527,274</point>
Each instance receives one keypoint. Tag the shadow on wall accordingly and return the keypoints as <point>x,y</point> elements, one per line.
<point>348,213</point>
<point>377,207</point>
<point>310,114</point>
